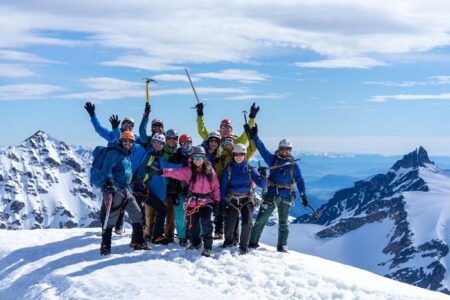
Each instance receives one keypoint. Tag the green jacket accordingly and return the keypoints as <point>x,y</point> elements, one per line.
<point>204,132</point>
<point>228,155</point>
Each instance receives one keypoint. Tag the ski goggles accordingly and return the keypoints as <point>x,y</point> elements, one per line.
<point>198,157</point>
<point>227,141</point>
<point>226,127</point>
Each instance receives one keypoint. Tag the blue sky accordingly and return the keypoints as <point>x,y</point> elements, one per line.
<point>333,76</point>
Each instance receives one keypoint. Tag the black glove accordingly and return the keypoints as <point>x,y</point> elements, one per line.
<point>305,201</point>
<point>147,109</point>
<point>108,185</point>
<point>114,120</point>
<point>262,171</point>
<point>253,111</point>
<point>199,107</point>
<point>154,171</point>
<point>252,132</point>
<point>90,108</point>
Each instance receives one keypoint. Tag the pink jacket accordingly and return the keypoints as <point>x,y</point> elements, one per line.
<point>201,186</point>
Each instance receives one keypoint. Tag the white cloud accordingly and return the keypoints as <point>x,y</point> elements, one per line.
<point>27,91</point>
<point>399,84</point>
<point>173,77</point>
<point>107,83</point>
<point>342,62</point>
<point>155,35</point>
<point>245,76</point>
<point>14,71</point>
<point>411,97</point>
<point>23,56</point>
<point>257,97</point>
<point>438,80</point>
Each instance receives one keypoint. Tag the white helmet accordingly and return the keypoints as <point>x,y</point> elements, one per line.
<point>285,143</point>
<point>129,121</point>
<point>159,137</point>
<point>240,148</point>
<point>214,135</point>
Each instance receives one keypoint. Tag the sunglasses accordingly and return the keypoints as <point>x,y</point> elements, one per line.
<point>128,141</point>
<point>214,140</point>
<point>226,127</point>
<point>171,138</point>
<point>238,154</point>
<point>185,144</point>
<point>127,125</point>
<point>158,143</point>
<point>198,157</point>
<point>285,148</point>
<point>227,141</point>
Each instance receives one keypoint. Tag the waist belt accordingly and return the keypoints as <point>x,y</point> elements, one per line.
<point>200,196</point>
<point>238,196</point>
<point>289,186</point>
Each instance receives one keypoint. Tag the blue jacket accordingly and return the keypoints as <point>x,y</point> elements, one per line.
<point>117,166</point>
<point>109,135</point>
<point>281,175</point>
<point>239,182</point>
<point>157,184</point>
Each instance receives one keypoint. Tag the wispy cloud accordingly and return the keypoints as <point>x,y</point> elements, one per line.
<point>440,80</point>
<point>245,76</point>
<point>24,57</point>
<point>399,84</point>
<point>410,97</point>
<point>14,71</point>
<point>27,91</point>
<point>107,83</point>
<point>257,97</point>
<point>173,78</point>
<point>141,62</point>
<point>343,62</point>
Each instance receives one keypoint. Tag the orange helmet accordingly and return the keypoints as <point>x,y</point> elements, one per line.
<point>185,138</point>
<point>127,135</point>
<point>226,122</point>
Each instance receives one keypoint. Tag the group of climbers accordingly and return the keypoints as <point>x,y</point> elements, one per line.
<point>165,184</point>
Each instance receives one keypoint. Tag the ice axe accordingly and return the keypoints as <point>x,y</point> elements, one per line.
<point>147,84</point>
<point>192,86</point>
<point>246,131</point>
<point>316,215</point>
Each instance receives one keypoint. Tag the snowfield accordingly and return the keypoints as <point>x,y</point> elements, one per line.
<point>66,264</point>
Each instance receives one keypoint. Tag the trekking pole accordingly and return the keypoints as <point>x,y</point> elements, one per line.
<point>192,86</point>
<point>108,204</point>
<point>147,87</point>
<point>246,131</point>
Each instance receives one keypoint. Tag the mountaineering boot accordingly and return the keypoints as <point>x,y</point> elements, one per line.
<point>182,242</point>
<point>282,249</point>
<point>160,240</point>
<point>207,252</point>
<point>142,246</point>
<point>218,236</point>
<point>105,248</point>
<point>227,244</point>
<point>253,246</point>
<point>194,246</point>
<point>243,251</point>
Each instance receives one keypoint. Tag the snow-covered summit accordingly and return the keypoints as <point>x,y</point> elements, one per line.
<point>44,183</point>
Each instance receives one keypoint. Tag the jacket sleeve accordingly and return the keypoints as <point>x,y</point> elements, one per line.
<point>223,184</point>
<point>259,180</point>
<point>201,128</point>
<point>268,157</point>
<point>251,150</point>
<point>243,138</point>
<point>102,131</point>
<point>299,180</point>
<point>143,130</point>
<point>108,164</point>
<point>116,133</point>
<point>166,164</point>
<point>179,174</point>
<point>215,187</point>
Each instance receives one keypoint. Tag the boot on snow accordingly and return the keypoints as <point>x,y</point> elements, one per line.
<point>105,248</point>
<point>207,252</point>
<point>282,249</point>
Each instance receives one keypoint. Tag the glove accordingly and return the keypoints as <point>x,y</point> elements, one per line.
<point>154,171</point>
<point>305,201</point>
<point>199,107</point>
<point>262,171</point>
<point>147,109</point>
<point>90,109</point>
<point>114,120</point>
<point>253,111</point>
<point>252,132</point>
<point>108,185</point>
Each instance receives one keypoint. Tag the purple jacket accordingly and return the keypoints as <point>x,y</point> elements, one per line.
<point>201,186</point>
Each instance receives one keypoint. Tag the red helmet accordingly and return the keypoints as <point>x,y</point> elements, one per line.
<point>185,138</point>
<point>226,122</point>
<point>127,135</point>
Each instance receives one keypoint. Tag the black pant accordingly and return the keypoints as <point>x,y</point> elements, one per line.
<point>245,207</point>
<point>203,216</point>
<point>160,211</point>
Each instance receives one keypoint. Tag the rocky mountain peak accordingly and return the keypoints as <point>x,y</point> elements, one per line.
<point>414,159</point>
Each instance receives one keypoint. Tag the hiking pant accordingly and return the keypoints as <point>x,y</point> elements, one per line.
<point>149,219</point>
<point>160,214</point>
<point>170,219</point>
<point>267,207</point>
<point>121,200</point>
<point>244,207</point>
<point>140,198</point>
<point>201,218</point>
<point>180,221</point>
<point>219,218</point>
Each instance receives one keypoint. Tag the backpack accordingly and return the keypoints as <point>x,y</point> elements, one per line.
<point>99,155</point>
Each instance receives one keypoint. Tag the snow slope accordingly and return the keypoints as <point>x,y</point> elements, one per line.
<point>65,264</point>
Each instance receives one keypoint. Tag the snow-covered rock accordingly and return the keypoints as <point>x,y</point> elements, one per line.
<point>406,211</point>
<point>44,183</point>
